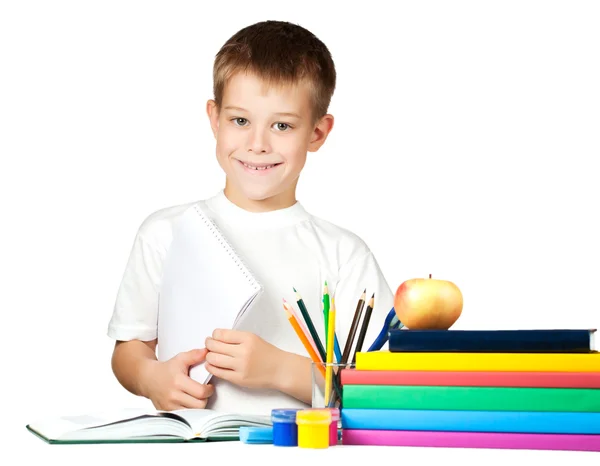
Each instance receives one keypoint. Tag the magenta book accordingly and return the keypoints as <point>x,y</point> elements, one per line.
<point>420,438</point>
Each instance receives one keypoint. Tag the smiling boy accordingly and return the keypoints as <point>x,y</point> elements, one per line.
<point>273,82</point>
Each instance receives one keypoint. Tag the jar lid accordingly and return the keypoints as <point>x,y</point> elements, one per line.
<point>284,415</point>
<point>313,416</point>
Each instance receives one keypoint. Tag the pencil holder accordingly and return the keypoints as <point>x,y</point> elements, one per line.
<point>285,429</point>
<point>313,428</point>
<point>329,395</point>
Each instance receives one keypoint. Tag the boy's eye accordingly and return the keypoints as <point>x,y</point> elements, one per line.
<point>240,121</point>
<point>282,126</point>
<point>244,122</point>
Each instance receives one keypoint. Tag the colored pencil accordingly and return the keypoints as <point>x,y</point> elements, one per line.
<point>303,338</point>
<point>329,358</point>
<point>326,306</point>
<point>336,348</point>
<point>315,335</point>
<point>353,327</point>
<point>302,325</point>
<point>310,325</point>
<point>363,329</point>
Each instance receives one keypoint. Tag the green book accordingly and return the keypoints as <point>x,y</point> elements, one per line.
<point>471,398</point>
<point>140,426</point>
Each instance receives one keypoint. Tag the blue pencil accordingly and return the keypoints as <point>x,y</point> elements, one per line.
<point>336,349</point>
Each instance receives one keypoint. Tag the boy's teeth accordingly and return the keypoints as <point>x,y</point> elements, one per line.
<point>258,168</point>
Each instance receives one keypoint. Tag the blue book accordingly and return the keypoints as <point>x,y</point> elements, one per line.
<point>550,422</point>
<point>493,341</point>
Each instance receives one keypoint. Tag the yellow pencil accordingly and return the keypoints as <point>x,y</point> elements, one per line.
<point>329,354</point>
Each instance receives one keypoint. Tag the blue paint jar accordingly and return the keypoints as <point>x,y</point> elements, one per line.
<point>285,430</point>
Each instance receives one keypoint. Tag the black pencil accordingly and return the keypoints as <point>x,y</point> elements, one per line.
<point>363,329</point>
<point>310,325</point>
<point>353,327</point>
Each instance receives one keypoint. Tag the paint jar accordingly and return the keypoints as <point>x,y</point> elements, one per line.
<point>313,428</point>
<point>285,429</point>
<point>333,427</point>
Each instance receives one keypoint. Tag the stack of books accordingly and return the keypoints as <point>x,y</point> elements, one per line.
<point>515,389</point>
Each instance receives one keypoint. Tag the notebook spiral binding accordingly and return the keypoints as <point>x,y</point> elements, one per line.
<point>229,248</point>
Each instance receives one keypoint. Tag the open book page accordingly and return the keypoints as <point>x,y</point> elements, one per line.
<point>207,423</point>
<point>117,424</point>
<point>205,285</point>
<point>135,423</point>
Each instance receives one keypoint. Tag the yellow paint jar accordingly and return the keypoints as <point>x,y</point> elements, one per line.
<point>313,427</point>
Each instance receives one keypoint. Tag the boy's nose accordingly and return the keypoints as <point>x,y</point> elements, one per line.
<point>258,142</point>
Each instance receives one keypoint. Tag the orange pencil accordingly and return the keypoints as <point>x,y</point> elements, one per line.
<point>302,337</point>
<point>303,328</point>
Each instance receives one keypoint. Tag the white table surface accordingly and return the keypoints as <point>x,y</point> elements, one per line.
<point>29,449</point>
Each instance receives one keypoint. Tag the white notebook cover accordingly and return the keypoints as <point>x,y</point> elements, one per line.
<point>205,286</point>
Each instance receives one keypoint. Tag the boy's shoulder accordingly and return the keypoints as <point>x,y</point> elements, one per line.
<point>157,227</point>
<point>346,243</point>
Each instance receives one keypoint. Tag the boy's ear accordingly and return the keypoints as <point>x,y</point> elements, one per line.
<point>213,115</point>
<point>320,133</point>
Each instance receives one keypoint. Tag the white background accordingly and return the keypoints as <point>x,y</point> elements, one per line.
<point>466,145</point>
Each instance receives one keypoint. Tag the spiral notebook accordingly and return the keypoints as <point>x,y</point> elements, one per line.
<point>206,285</point>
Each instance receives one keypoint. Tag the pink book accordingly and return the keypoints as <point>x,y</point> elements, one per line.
<point>482,379</point>
<point>424,438</point>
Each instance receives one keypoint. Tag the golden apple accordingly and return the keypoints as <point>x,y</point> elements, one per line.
<point>428,303</point>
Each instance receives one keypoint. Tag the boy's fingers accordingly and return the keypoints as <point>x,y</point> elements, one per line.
<point>171,407</point>
<point>196,389</point>
<point>224,374</point>
<point>194,356</point>
<point>229,336</point>
<point>224,361</point>
<point>216,346</point>
<point>188,401</point>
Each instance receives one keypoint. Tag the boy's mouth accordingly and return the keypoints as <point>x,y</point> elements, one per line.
<point>259,167</point>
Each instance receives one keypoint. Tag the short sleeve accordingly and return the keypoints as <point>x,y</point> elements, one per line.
<point>135,311</point>
<point>356,276</point>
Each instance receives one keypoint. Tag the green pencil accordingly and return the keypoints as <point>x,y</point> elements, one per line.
<point>326,305</point>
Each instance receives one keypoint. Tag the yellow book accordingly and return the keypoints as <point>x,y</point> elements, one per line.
<point>518,362</point>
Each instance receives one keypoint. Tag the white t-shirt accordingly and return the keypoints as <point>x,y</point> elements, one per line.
<point>286,249</point>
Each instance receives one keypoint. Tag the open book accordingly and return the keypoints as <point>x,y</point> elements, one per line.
<point>205,285</point>
<point>140,426</point>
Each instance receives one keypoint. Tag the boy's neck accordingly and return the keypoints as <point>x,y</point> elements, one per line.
<point>277,202</point>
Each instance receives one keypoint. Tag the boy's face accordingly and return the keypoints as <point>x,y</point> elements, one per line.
<point>263,135</point>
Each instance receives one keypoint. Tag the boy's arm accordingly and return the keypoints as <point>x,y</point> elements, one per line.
<point>167,384</point>
<point>294,377</point>
<point>130,361</point>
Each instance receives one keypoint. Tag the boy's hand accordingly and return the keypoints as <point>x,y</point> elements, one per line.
<point>243,358</point>
<point>168,385</point>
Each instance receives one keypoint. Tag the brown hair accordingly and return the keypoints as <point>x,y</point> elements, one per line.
<point>279,53</point>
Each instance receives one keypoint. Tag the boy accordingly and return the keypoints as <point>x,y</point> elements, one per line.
<point>273,82</point>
